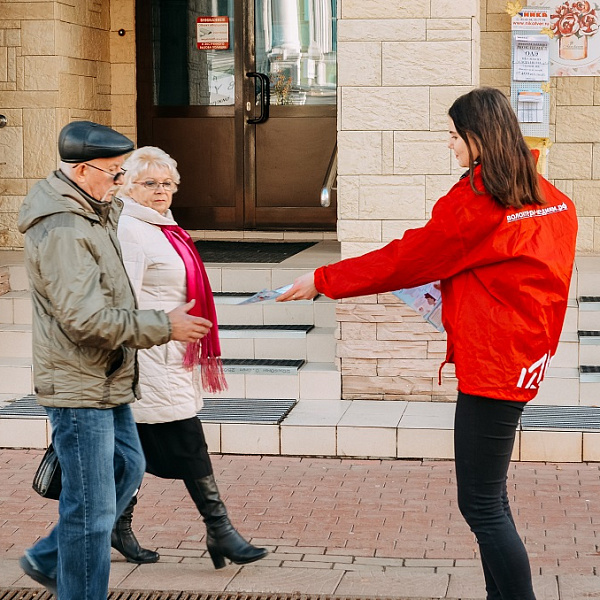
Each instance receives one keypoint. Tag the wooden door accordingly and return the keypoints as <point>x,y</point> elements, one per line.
<point>242,96</point>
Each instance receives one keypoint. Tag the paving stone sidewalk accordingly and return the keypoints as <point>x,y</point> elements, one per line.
<point>343,527</point>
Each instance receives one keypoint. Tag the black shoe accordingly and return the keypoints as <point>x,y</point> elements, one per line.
<point>47,582</point>
<point>124,541</point>
<point>222,539</point>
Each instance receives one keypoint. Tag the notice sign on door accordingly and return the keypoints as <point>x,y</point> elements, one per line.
<point>212,33</point>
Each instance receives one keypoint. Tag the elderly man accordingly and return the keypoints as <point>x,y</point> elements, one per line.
<point>86,327</point>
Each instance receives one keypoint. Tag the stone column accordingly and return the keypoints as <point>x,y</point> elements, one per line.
<point>400,67</point>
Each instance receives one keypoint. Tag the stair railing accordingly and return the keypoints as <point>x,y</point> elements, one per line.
<point>329,180</point>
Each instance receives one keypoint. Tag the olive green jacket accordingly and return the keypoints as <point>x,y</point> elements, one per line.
<point>86,325</point>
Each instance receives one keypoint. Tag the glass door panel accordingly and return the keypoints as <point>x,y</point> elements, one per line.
<point>193,52</point>
<point>296,45</point>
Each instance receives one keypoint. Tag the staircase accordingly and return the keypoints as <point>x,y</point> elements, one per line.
<point>284,393</point>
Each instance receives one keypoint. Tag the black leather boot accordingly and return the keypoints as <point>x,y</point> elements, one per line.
<point>124,541</point>
<point>222,539</point>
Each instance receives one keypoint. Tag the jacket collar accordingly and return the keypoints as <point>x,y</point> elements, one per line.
<point>144,213</point>
<point>476,163</point>
<point>90,204</point>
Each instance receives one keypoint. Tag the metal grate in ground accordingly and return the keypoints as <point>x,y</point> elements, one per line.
<point>30,594</point>
<point>560,417</point>
<point>263,366</point>
<point>215,410</point>
<point>304,328</point>
<point>245,410</point>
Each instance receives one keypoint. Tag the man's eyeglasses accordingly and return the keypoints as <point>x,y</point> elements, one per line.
<point>151,184</point>
<point>117,177</point>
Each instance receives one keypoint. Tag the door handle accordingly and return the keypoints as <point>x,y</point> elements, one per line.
<point>265,97</point>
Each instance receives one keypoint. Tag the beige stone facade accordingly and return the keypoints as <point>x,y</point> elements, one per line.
<point>59,61</point>
<point>400,65</point>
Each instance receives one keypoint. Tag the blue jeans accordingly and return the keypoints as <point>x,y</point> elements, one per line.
<point>102,465</point>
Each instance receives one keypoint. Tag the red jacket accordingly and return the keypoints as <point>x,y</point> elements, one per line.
<point>505,277</point>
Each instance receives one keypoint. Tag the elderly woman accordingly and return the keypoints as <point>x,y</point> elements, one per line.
<point>165,271</point>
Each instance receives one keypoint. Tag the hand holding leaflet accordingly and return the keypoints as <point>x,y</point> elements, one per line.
<point>426,300</point>
<point>265,295</point>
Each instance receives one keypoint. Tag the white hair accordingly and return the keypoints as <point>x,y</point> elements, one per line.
<point>143,159</point>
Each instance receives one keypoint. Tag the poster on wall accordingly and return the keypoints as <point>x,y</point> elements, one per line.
<point>530,58</point>
<point>574,38</point>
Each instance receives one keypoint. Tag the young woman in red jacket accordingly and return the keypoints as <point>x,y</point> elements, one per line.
<point>502,243</point>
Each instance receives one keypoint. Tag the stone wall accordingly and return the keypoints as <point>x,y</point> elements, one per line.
<point>574,159</point>
<point>59,61</point>
<point>400,67</point>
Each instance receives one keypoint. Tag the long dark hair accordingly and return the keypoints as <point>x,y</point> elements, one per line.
<point>485,118</point>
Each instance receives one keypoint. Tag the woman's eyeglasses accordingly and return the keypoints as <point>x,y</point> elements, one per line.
<point>151,184</point>
<point>117,177</point>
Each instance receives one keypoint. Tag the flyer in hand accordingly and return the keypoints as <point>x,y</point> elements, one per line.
<point>426,300</point>
<point>265,295</point>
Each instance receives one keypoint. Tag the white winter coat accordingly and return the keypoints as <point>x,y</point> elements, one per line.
<point>157,272</point>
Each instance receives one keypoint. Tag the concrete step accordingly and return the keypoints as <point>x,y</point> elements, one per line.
<point>319,312</point>
<point>16,376</point>
<point>589,347</point>
<point>587,275</point>
<point>15,308</point>
<point>15,341</point>
<point>589,313</point>
<point>281,342</point>
<point>370,429</point>
<point>17,274</point>
<point>246,379</point>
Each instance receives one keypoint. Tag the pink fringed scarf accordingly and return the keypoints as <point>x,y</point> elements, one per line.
<point>207,351</point>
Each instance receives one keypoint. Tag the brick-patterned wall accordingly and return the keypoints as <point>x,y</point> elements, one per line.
<point>400,67</point>
<point>58,62</point>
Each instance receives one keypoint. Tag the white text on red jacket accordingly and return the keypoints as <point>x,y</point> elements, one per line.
<point>539,212</point>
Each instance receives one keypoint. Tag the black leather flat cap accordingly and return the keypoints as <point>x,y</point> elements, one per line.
<point>81,141</point>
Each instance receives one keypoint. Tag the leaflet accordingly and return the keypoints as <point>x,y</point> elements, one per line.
<point>265,295</point>
<point>426,300</point>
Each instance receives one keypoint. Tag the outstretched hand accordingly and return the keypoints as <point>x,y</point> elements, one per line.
<point>303,289</point>
<point>186,327</point>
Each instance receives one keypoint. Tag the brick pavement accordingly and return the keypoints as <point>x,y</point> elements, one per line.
<point>362,527</point>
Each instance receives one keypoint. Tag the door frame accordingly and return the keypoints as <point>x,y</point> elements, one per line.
<point>244,214</point>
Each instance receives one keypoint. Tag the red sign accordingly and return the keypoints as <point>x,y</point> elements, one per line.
<point>212,33</point>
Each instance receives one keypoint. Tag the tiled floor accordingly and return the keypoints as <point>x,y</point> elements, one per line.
<point>336,526</point>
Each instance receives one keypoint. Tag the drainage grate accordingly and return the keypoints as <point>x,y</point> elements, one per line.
<point>245,410</point>
<point>23,408</point>
<point>29,594</point>
<point>560,417</point>
<point>304,328</point>
<point>215,410</point>
<point>262,366</point>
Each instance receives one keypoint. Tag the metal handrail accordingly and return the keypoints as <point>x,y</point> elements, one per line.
<point>330,177</point>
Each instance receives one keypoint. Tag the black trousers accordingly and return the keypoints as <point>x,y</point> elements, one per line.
<point>484,435</point>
